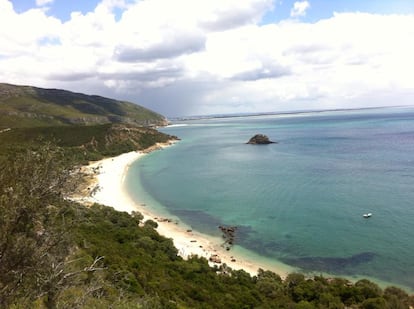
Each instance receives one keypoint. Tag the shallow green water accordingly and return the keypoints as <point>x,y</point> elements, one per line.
<point>299,201</point>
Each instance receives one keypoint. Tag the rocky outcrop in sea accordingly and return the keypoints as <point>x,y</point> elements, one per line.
<point>260,139</point>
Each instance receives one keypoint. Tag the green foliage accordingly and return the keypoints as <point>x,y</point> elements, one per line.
<point>374,303</point>
<point>33,242</point>
<point>397,298</point>
<point>24,106</point>
<point>82,143</point>
<point>269,284</point>
<point>366,289</point>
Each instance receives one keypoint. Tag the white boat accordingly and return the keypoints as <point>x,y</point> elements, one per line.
<point>367,215</point>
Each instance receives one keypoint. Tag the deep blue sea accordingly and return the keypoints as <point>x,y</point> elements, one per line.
<point>299,201</point>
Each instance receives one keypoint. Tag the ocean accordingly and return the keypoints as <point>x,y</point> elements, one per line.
<point>301,200</point>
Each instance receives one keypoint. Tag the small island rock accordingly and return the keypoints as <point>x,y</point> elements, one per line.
<point>260,139</point>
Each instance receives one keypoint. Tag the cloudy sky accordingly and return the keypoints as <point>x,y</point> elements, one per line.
<point>194,57</point>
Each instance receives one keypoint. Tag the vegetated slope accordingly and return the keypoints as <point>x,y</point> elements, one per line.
<point>82,143</point>
<point>26,106</point>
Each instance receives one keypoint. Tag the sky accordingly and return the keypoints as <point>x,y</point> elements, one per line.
<point>201,57</point>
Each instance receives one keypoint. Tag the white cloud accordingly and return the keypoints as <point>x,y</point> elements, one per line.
<point>299,8</point>
<point>221,15</point>
<point>182,56</point>
<point>43,2</point>
<point>21,33</point>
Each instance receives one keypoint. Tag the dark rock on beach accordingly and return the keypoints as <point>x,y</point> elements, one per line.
<point>228,235</point>
<point>260,139</point>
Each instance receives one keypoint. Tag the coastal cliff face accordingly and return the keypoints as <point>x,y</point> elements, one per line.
<point>260,139</point>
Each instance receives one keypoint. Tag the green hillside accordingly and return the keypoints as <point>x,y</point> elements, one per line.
<point>26,106</point>
<point>82,143</point>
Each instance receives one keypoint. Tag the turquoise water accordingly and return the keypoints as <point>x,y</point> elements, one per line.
<point>299,201</point>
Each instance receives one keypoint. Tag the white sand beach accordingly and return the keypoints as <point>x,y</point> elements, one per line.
<point>107,187</point>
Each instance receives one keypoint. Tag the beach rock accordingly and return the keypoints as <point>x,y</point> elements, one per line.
<point>168,220</point>
<point>215,259</point>
<point>228,236</point>
<point>260,139</point>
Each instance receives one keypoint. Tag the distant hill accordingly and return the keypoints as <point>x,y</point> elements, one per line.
<point>26,106</point>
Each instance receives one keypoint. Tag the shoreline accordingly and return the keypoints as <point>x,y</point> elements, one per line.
<point>106,185</point>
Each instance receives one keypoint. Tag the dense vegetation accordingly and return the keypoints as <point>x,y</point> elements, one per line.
<point>25,106</point>
<point>82,143</point>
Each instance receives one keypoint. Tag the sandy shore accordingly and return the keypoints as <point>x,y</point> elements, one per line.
<point>106,185</point>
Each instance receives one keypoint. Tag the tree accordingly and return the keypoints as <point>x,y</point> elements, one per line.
<point>396,298</point>
<point>33,239</point>
<point>367,289</point>
<point>374,303</point>
<point>269,284</point>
